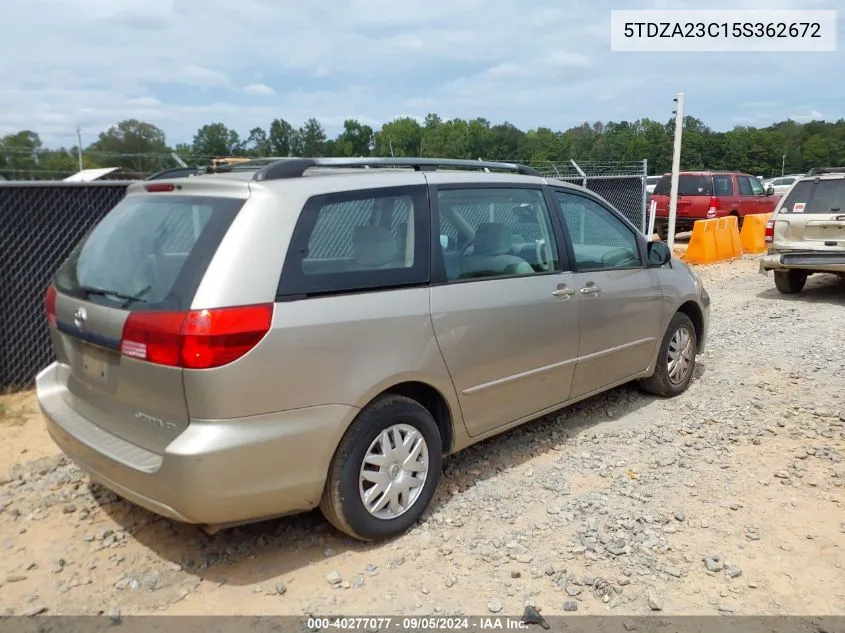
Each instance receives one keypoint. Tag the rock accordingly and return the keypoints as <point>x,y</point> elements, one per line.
<point>655,601</point>
<point>733,571</point>
<point>782,474</point>
<point>524,558</point>
<point>69,508</point>
<point>674,571</point>
<point>629,626</point>
<point>570,605</point>
<point>329,552</point>
<point>16,578</point>
<point>494,605</point>
<point>280,589</point>
<point>515,573</point>
<point>713,563</point>
<point>358,581</point>
<point>36,610</point>
<point>334,578</point>
<point>617,548</point>
<point>451,581</point>
<point>680,516</point>
<point>573,590</point>
<point>532,616</point>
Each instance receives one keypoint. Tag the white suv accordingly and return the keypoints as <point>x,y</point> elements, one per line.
<point>806,233</point>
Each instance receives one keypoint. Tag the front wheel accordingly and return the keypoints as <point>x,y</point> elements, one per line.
<point>385,470</point>
<point>790,282</point>
<point>675,360</point>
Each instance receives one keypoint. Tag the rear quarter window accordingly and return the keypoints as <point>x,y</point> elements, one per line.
<point>358,241</point>
<point>808,196</point>
<point>153,248</point>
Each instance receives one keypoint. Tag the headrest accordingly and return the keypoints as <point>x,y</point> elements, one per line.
<point>492,238</point>
<point>374,246</point>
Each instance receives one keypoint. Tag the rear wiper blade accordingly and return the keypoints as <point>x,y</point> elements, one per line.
<point>127,298</point>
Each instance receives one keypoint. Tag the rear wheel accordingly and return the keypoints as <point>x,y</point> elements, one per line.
<point>739,220</point>
<point>790,282</point>
<point>675,360</point>
<point>384,471</point>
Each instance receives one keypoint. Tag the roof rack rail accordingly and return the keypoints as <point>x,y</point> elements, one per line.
<point>817,171</point>
<point>277,169</point>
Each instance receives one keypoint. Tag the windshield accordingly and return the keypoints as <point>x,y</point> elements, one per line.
<point>809,196</point>
<point>149,250</point>
<point>688,185</point>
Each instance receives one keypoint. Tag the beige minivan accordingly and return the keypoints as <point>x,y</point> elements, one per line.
<point>297,333</point>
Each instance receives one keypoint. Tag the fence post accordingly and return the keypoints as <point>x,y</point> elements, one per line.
<point>645,196</point>
<point>580,171</point>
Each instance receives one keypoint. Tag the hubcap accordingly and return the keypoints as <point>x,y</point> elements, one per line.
<point>680,355</point>
<point>393,472</point>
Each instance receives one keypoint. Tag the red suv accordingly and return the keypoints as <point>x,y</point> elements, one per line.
<point>703,195</point>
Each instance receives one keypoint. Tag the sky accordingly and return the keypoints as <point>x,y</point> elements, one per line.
<point>182,63</point>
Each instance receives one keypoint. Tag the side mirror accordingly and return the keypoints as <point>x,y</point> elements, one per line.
<point>658,254</point>
<point>770,191</point>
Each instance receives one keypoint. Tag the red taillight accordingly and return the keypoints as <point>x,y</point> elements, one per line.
<point>713,207</point>
<point>50,305</point>
<point>199,339</point>
<point>159,187</point>
<point>770,231</point>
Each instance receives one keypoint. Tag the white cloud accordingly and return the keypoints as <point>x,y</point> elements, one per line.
<point>259,90</point>
<point>547,63</point>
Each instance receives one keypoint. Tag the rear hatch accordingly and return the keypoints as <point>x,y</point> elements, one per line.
<point>694,193</point>
<point>812,216</point>
<point>112,300</point>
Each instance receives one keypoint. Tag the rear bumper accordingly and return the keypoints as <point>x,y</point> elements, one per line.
<point>216,471</point>
<point>813,261</point>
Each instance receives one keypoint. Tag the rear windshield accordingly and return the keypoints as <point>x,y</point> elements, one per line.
<point>149,252</point>
<point>808,196</point>
<point>687,186</point>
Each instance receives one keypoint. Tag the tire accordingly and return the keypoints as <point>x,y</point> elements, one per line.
<point>790,282</point>
<point>661,382</point>
<point>662,230</point>
<point>739,220</point>
<point>342,502</point>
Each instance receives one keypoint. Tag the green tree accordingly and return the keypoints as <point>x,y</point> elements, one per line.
<point>312,139</point>
<point>283,138</point>
<point>400,137</point>
<point>355,140</point>
<point>19,155</point>
<point>257,143</point>
<point>216,140</point>
<point>134,145</point>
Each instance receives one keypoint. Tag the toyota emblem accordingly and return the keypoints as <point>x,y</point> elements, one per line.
<point>79,317</point>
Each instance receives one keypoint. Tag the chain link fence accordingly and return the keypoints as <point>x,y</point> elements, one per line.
<point>622,184</point>
<point>41,222</point>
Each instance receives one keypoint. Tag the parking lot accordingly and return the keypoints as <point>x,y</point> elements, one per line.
<point>727,499</point>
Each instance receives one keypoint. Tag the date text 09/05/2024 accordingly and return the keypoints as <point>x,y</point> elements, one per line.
<point>414,624</point>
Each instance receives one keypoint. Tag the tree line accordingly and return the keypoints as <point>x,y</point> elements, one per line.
<point>142,148</point>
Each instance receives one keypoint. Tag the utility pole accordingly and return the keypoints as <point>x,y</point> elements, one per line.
<point>676,168</point>
<point>79,146</point>
<point>783,164</point>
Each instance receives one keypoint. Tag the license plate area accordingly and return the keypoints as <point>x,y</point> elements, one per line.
<point>94,362</point>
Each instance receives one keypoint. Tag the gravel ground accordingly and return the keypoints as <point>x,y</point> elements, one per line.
<point>727,499</point>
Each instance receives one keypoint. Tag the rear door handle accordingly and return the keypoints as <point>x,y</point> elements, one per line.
<point>590,289</point>
<point>563,291</point>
